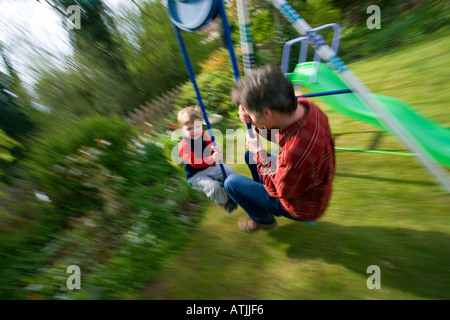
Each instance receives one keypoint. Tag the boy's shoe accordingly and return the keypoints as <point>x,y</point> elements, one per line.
<point>249,225</point>
<point>230,206</point>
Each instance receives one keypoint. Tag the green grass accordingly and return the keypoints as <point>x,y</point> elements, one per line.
<point>385,211</point>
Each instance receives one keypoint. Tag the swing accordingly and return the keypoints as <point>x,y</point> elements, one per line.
<point>191,16</point>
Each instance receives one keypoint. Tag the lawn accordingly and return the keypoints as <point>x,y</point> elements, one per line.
<point>385,211</point>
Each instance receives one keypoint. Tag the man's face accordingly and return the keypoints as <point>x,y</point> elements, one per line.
<point>263,121</point>
<point>193,130</point>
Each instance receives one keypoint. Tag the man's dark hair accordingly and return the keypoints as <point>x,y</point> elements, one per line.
<point>265,87</point>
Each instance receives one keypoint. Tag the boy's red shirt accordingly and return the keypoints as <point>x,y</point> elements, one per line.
<point>303,174</point>
<point>195,158</point>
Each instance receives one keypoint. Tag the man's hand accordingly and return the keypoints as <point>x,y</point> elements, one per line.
<point>254,144</point>
<point>243,115</point>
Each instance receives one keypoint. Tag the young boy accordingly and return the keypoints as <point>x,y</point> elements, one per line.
<point>200,157</point>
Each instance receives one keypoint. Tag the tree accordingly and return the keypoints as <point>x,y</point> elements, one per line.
<point>155,58</point>
<point>6,145</point>
<point>85,87</point>
<point>97,29</point>
<point>112,72</point>
<point>13,106</point>
<point>98,43</point>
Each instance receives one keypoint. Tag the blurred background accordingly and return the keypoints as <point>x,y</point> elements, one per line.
<point>86,176</point>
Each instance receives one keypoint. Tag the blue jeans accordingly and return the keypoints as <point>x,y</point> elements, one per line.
<point>253,197</point>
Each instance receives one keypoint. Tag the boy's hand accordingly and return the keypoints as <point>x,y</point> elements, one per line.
<point>217,153</point>
<point>243,115</point>
<point>254,144</point>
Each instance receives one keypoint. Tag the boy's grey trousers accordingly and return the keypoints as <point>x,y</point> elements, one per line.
<point>207,181</point>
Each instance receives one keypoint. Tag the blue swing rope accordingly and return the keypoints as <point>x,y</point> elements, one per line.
<point>191,74</point>
<point>190,70</point>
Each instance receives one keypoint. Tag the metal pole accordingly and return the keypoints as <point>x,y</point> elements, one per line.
<point>326,93</point>
<point>362,92</point>
<point>248,55</point>
<point>229,42</point>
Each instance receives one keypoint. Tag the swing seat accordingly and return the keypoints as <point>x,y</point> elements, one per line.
<point>192,15</point>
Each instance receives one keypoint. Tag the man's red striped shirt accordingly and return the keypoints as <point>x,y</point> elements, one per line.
<point>302,177</point>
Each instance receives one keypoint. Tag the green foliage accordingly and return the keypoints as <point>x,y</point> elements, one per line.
<point>153,56</point>
<point>144,220</point>
<point>262,23</point>
<point>6,145</point>
<point>22,250</point>
<point>162,201</point>
<point>98,30</point>
<point>97,78</point>
<point>48,163</point>
<point>13,117</point>
<point>321,12</point>
<point>90,86</point>
<point>113,72</point>
<point>401,23</point>
<point>219,60</point>
<point>270,30</point>
<point>214,82</point>
<point>149,166</point>
<point>215,89</point>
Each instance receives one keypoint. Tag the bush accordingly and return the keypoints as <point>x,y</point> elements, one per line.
<point>119,250</point>
<point>214,82</point>
<point>6,146</point>
<point>219,60</point>
<point>21,249</point>
<point>118,228</point>
<point>400,25</point>
<point>51,169</point>
<point>215,88</point>
<point>164,215</point>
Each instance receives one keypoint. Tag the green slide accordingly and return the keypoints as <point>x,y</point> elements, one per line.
<point>433,137</point>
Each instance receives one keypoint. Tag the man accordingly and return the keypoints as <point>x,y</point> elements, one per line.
<point>298,184</point>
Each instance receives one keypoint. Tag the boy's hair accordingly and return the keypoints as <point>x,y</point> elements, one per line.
<point>265,87</point>
<point>189,115</point>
